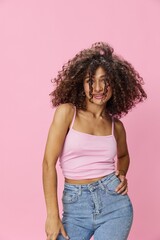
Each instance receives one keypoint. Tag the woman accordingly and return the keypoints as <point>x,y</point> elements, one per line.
<point>94,90</point>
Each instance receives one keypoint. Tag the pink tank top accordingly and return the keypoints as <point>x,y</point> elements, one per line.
<point>87,156</point>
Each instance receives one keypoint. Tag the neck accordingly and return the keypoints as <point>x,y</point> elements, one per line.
<point>96,110</point>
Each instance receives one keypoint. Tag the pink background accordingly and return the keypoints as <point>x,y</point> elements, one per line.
<point>37,37</point>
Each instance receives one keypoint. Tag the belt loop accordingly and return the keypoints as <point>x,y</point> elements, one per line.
<point>101,184</point>
<point>80,190</point>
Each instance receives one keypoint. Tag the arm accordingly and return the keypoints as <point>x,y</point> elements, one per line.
<point>123,159</point>
<point>55,140</point>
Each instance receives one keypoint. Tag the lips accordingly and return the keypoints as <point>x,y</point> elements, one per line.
<point>98,96</point>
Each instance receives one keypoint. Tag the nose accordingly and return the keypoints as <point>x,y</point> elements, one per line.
<point>97,86</point>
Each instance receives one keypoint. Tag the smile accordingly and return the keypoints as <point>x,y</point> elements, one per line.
<point>98,96</point>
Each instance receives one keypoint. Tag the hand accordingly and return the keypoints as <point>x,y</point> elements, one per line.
<point>53,227</point>
<point>122,188</point>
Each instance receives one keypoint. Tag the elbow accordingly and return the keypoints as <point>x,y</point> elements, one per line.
<point>48,164</point>
<point>124,156</point>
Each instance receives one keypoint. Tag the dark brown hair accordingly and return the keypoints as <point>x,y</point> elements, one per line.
<point>125,81</point>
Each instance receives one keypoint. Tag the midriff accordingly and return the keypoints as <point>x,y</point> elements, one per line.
<point>83,181</point>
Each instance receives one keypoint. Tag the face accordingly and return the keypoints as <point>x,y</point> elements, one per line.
<point>100,95</point>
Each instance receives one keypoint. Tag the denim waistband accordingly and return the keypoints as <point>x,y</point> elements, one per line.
<point>93,185</point>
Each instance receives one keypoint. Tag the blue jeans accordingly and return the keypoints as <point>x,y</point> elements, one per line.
<point>96,210</point>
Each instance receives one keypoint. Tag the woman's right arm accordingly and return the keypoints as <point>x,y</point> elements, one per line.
<point>56,136</point>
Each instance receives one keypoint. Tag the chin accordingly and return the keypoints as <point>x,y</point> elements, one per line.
<point>98,102</point>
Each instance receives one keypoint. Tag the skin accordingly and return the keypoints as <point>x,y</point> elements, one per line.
<point>92,121</point>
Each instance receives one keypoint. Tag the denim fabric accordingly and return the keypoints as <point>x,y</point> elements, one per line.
<point>96,209</point>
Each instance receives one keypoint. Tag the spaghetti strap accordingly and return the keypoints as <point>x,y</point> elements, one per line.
<point>74,116</point>
<point>112,125</point>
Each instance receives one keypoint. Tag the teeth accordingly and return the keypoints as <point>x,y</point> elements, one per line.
<point>98,96</point>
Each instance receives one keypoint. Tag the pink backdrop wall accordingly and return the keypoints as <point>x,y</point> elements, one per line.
<point>37,37</point>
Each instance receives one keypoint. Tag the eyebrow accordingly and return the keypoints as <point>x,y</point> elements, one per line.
<point>103,76</point>
<point>100,76</point>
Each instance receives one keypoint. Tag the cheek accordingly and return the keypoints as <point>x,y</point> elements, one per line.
<point>86,87</point>
<point>109,92</point>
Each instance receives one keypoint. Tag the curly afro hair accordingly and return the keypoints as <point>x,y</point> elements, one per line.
<point>125,81</point>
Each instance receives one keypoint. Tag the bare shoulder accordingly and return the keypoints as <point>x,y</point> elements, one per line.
<point>58,131</point>
<point>118,124</point>
<point>64,112</point>
<point>119,128</point>
<point>65,109</point>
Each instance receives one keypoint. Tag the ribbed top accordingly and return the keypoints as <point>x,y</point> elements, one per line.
<point>87,156</point>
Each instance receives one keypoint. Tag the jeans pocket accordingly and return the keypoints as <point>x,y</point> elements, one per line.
<point>112,184</point>
<point>69,196</point>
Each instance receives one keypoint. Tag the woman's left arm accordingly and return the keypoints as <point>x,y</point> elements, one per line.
<point>123,159</point>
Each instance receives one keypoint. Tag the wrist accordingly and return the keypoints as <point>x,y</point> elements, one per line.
<point>122,172</point>
<point>52,215</point>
